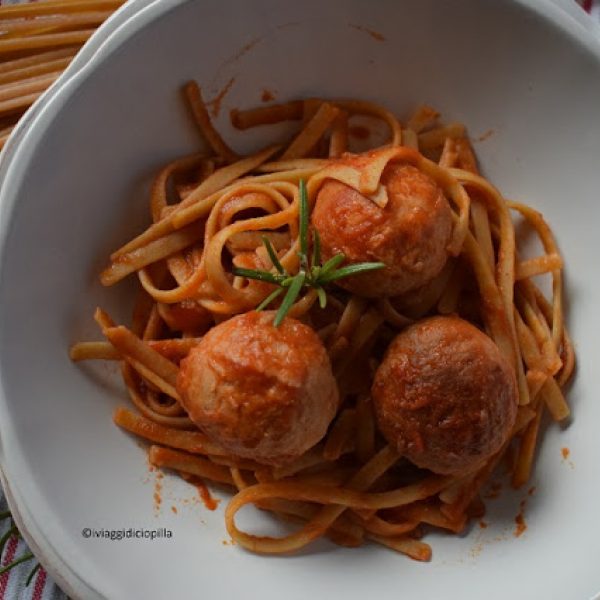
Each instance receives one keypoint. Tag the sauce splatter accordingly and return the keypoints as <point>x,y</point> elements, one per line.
<point>359,132</point>
<point>483,524</point>
<point>485,135</point>
<point>267,96</point>
<point>214,105</point>
<point>521,526</point>
<point>203,492</point>
<point>494,491</point>
<point>157,492</point>
<point>229,542</point>
<point>210,502</point>
<point>531,491</point>
<point>565,452</point>
<point>290,24</point>
<point>374,34</point>
<point>174,509</point>
<point>243,50</point>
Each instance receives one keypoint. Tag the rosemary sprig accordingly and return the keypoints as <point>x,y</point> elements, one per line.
<point>312,274</point>
<point>16,562</point>
<point>13,531</point>
<point>32,573</point>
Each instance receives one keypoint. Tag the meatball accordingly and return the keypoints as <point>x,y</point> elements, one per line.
<point>261,392</point>
<point>409,235</point>
<point>445,396</point>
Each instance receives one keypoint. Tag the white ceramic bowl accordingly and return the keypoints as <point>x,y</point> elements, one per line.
<point>74,186</point>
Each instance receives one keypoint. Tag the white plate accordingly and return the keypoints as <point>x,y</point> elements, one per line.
<point>75,186</point>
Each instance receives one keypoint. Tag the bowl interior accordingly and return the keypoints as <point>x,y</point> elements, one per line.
<point>78,188</point>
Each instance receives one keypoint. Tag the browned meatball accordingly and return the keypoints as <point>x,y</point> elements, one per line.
<point>409,235</point>
<point>261,392</point>
<point>445,396</point>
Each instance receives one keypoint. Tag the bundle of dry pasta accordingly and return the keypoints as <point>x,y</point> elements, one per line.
<point>37,42</point>
<point>231,233</point>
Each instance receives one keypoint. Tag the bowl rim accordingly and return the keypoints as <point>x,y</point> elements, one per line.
<point>133,16</point>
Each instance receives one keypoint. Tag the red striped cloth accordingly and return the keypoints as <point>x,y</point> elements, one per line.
<point>12,584</point>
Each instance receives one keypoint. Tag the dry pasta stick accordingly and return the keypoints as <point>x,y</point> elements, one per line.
<point>28,86</point>
<point>49,40</point>
<point>4,139</point>
<point>18,104</point>
<point>52,7</point>
<point>42,58</point>
<point>42,68</point>
<point>52,23</point>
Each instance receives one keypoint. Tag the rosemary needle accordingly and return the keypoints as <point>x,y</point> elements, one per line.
<point>312,274</point>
